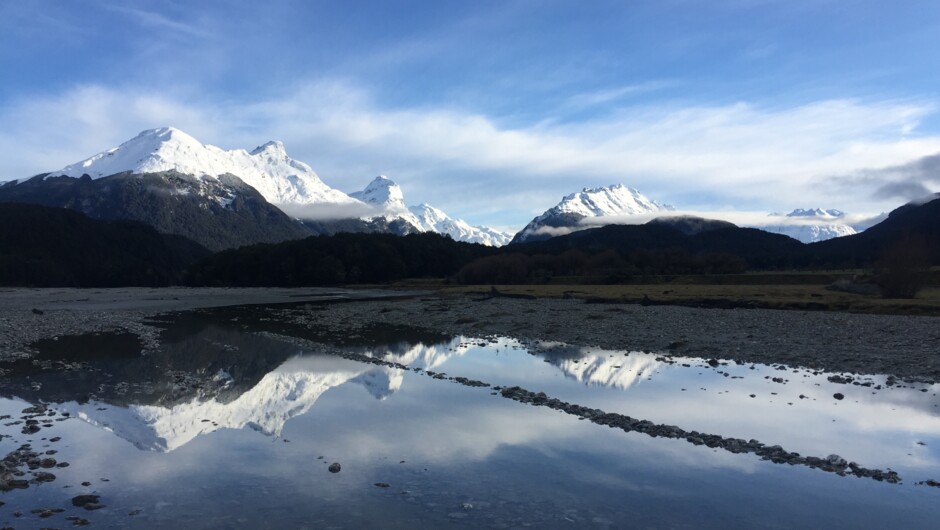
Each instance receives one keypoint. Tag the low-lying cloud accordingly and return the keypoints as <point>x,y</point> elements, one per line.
<point>328,212</point>
<point>739,218</point>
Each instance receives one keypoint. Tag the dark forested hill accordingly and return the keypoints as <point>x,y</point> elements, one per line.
<point>914,223</point>
<point>337,259</point>
<point>42,246</point>
<point>693,235</point>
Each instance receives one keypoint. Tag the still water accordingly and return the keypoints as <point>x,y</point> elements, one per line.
<point>226,425</point>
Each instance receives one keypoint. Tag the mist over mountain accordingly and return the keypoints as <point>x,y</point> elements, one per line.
<point>811,225</point>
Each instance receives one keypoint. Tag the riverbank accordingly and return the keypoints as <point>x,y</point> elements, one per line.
<point>901,345</point>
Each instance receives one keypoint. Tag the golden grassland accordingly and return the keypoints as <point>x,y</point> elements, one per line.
<point>809,291</point>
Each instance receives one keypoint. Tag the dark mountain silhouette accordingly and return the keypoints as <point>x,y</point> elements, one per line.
<point>42,246</point>
<point>916,221</point>
<point>691,234</point>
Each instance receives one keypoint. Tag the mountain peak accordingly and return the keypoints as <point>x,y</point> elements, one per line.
<point>605,201</point>
<point>383,193</point>
<point>616,199</point>
<point>816,212</point>
<point>268,169</point>
<point>272,148</point>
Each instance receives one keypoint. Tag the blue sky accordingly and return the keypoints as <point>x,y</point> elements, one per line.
<point>495,110</point>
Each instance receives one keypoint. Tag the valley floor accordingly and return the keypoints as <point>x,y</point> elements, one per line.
<point>901,345</point>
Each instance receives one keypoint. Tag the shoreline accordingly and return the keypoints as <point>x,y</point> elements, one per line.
<point>903,346</point>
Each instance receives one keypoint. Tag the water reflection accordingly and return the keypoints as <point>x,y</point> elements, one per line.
<point>216,388</point>
<point>285,392</point>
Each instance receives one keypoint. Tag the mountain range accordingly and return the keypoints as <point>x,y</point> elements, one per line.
<point>229,198</point>
<point>225,199</point>
<point>668,238</point>
<point>619,204</point>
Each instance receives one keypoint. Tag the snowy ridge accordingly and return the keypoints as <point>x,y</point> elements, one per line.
<point>615,199</point>
<point>818,213</point>
<point>811,225</point>
<point>277,177</point>
<point>387,198</point>
<point>432,219</point>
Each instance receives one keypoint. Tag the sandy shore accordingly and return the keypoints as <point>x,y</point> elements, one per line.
<point>905,346</point>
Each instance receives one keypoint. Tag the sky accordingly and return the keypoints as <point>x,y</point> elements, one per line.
<point>494,110</point>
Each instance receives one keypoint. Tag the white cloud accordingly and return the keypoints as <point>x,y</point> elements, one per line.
<point>700,157</point>
<point>740,218</point>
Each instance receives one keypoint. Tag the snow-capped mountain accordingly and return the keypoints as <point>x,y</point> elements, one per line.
<point>267,168</point>
<point>388,200</point>
<point>160,173</point>
<point>605,201</point>
<point>811,225</point>
<point>431,219</point>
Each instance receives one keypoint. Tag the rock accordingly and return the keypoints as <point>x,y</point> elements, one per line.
<point>46,512</point>
<point>836,460</point>
<point>334,467</point>
<point>839,396</point>
<point>42,476</point>
<point>80,501</point>
<point>31,429</point>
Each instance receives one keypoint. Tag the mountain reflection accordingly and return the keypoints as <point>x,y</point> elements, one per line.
<point>283,393</point>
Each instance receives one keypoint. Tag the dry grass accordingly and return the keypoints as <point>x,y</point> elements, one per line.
<point>813,296</point>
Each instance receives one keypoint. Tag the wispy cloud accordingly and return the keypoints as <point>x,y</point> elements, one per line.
<point>607,95</point>
<point>158,21</point>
